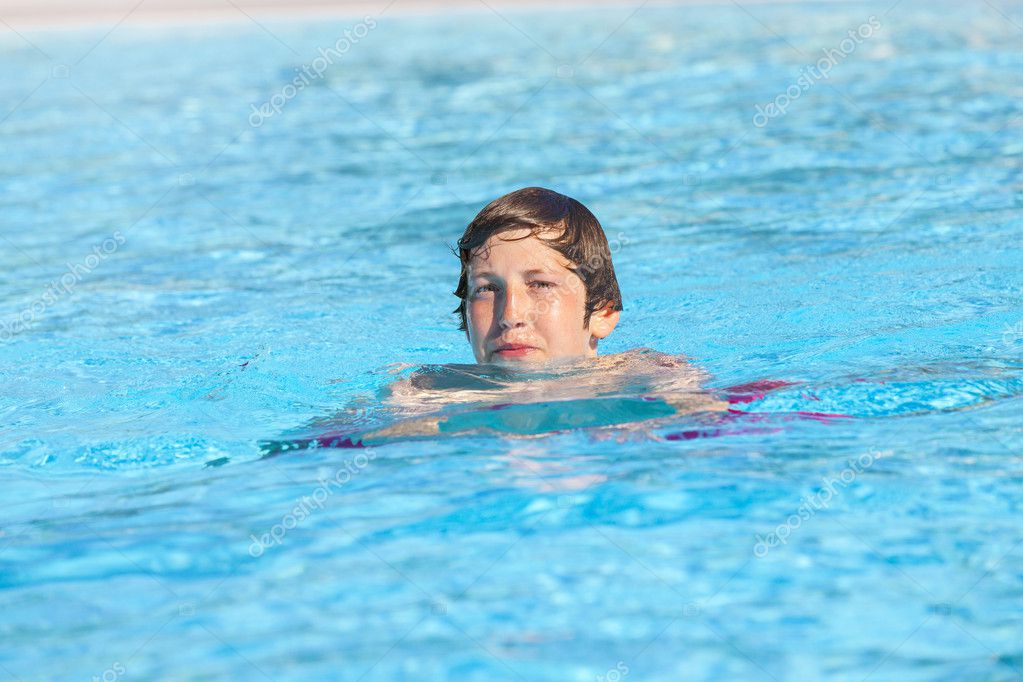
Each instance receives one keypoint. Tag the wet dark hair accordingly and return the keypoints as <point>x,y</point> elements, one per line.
<point>579,238</point>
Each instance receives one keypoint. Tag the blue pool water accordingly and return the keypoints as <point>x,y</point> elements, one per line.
<point>179,285</point>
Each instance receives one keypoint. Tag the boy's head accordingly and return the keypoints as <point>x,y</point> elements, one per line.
<point>537,281</point>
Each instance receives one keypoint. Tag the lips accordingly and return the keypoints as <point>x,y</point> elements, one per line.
<point>513,350</point>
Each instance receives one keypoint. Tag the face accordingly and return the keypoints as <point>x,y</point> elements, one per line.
<point>525,305</point>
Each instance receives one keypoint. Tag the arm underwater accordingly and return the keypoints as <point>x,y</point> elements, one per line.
<point>527,419</point>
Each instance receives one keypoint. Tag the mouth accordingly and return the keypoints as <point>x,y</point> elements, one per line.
<point>513,350</point>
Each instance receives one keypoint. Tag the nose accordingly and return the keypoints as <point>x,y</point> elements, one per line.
<point>513,310</point>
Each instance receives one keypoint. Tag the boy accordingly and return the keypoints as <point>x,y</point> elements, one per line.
<point>537,292</point>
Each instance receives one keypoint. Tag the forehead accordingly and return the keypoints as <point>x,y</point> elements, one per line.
<point>517,250</point>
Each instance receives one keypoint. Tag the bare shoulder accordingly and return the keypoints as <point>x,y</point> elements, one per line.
<point>421,392</point>
<point>676,380</point>
<point>656,361</point>
<point>667,373</point>
<point>410,395</point>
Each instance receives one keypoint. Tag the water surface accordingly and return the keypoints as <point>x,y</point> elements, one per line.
<point>229,283</point>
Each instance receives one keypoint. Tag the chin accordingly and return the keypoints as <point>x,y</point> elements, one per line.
<point>530,357</point>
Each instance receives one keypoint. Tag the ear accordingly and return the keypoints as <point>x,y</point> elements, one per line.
<point>603,321</point>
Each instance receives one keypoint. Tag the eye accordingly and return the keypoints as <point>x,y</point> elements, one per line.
<point>542,285</point>
<point>483,288</point>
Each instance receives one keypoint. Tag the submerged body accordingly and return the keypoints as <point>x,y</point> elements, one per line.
<point>638,371</point>
<point>620,389</point>
<point>633,391</point>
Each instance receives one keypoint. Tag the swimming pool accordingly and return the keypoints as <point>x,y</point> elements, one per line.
<point>857,234</point>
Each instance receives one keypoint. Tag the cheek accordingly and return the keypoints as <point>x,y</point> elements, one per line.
<point>478,314</point>
<point>562,315</point>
